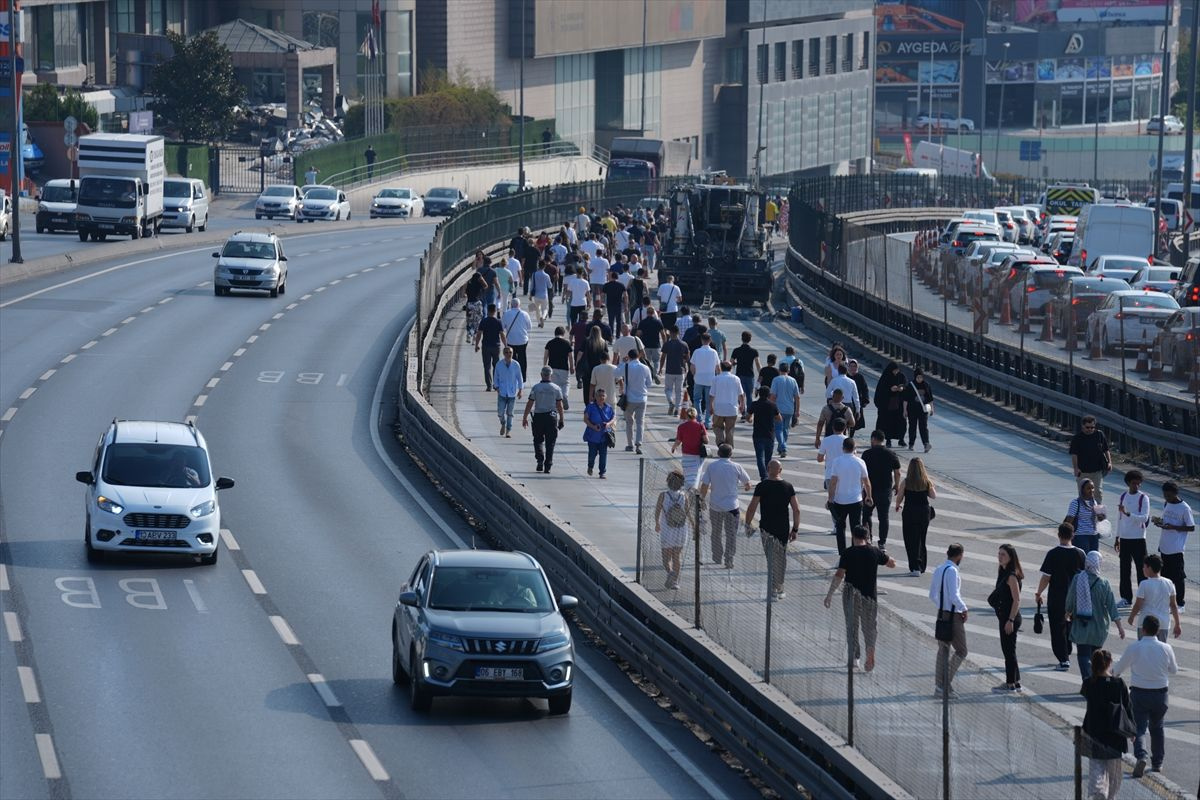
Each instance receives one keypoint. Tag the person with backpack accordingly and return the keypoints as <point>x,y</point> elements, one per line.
<point>834,409</point>
<point>785,393</point>
<point>674,521</point>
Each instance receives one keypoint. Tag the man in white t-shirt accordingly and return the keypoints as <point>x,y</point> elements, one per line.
<point>829,448</point>
<point>719,483</point>
<point>627,341</point>
<point>514,265</point>
<point>728,402</point>
<point>583,222</point>
<point>622,238</point>
<point>604,376</point>
<point>704,365</point>
<point>1133,515</point>
<point>669,298</point>
<point>849,489</point>
<point>598,267</point>
<point>1176,522</point>
<point>579,297</point>
<point>590,245</point>
<point>1155,597</point>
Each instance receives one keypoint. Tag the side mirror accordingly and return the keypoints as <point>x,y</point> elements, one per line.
<point>84,477</point>
<point>408,599</point>
<point>216,255</point>
<point>283,258</point>
<point>224,483</point>
<point>568,603</point>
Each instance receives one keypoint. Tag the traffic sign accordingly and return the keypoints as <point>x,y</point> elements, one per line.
<point>70,125</point>
<point>1187,221</point>
<point>70,139</point>
<point>1031,150</point>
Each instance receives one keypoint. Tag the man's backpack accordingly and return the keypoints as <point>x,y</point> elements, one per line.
<point>796,370</point>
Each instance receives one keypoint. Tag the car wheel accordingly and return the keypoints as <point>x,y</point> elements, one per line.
<point>137,232</point>
<point>100,237</point>
<point>258,216</point>
<point>83,236</point>
<point>94,556</point>
<point>338,218</point>
<point>399,676</point>
<point>560,703</point>
<point>204,227</point>
<point>348,213</point>
<point>418,696</point>
<point>210,559</point>
<point>1104,345</point>
<point>40,228</point>
<point>190,225</point>
<point>275,291</point>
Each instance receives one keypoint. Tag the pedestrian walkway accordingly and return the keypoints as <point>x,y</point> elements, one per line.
<point>994,485</point>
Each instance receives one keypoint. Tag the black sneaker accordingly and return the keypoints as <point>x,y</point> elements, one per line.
<point>547,469</point>
<point>539,468</point>
<point>1139,769</point>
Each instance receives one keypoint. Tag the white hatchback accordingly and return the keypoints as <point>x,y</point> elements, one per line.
<point>150,490</point>
<point>323,202</point>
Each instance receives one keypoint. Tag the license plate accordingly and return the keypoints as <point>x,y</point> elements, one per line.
<point>155,536</point>
<point>108,226</point>
<point>58,219</point>
<point>500,673</point>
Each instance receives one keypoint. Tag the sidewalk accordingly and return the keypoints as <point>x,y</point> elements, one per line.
<point>994,485</point>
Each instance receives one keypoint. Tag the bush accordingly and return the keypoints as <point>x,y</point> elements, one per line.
<point>43,103</point>
<point>441,104</point>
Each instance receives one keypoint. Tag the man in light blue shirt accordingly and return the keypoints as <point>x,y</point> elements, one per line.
<point>509,383</point>
<point>785,394</point>
<point>635,380</point>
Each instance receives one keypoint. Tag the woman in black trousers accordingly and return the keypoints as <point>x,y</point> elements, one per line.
<point>913,494</point>
<point>918,402</point>
<point>1006,600</point>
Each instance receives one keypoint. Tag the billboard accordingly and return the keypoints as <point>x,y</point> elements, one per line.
<point>919,16</point>
<point>1072,70</point>
<point>1072,12</point>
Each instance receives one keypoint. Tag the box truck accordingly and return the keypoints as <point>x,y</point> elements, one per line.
<point>631,158</point>
<point>120,185</point>
<point>950,161</point>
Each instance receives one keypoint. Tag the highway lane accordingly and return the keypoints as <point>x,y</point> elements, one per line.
<point>158,679</point>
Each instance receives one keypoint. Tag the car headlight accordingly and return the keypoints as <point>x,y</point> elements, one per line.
<point>447,640</point>
<point>553,642</point>
<point>83,217</point>
<point>204,509</point>
<point>110,506</point>
<point>127,220</point>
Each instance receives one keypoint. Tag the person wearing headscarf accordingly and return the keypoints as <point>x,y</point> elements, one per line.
<point>889,399</point>
<point>1091,608</point>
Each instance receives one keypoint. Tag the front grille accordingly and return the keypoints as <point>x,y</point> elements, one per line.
<point>175,521</point>
<point>244,271</point>
<point>131,542</point>
<point>501,647</point>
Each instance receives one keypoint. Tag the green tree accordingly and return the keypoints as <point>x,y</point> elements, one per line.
<point>455,105</point>
<point>1185,62</point>
<point>195,91</point>
<point>43,103</point>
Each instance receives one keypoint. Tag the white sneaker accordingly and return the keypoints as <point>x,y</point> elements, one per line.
<point>914,574</point>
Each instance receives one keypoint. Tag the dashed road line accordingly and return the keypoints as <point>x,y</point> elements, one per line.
<point>45,376</point>
<point>327,696</point>
<point>128,320</point>
<point>212,383</point>
<point>252,339</point>
<point>190,419</point>
<point>29,687</point>
<point>253,582</point>
<point>200,400</point>
<point>305,297</point>
<point>335,282</point>
<point>12,626</point>
<point>45,747</point>
<point>225,367</point>
<point>197,600</point>
<point>265,326</point>
<point>290,306</point>
<point>146,310</point>
<point>90,345</point>
<point>367,756</point>
<point>230,542</point>
<point>4,584</point>
<point>28,393</point>
<point>67,359</point>
<point>239,352</point>
<point>165,300</point>
<point>284,630</point>
<point>278,316</point>
<point>9,414</point>
<point>319,289</point>
<point>110,332</point>
<point>352,275</point>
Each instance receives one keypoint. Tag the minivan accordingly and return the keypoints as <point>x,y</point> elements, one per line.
<point>56,205</point>
<point>1186,290</point>
<point>185,204</point>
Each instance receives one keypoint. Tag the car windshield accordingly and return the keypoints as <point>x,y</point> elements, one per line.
<point>249,250</point>
<point>1095,285</point>
<point>1124,263</point>
<point>1148,300</point>
<point>1159,274</point>
<point>400,194</point>
<point>58,194</point>
<point>446,194</point>
<point>107,192</point>
<point>170,466</point>
<point>175,189</point>
<point>280,191</point>
<point>489,589</point>
<point>321,194</point>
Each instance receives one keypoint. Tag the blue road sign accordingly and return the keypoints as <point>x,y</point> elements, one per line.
<point>1031,150</point>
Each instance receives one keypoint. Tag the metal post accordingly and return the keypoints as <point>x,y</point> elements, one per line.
<point>1078,762</point>
<point>15,141</point>
<point>944,655</point>
<point>1096,125</point>
<point>1000,110</point>
<point>758,149</point>
<point>1162,112</point>
<point>1070,317</point>
<point>640,519</point>
<point>984,7</point>
<point>1189,140</point>
<point>642,126</point>
<point>521,143</point>
<point>1024,322</point>
<point>696,577</point>
<point>1121,355</point>
<point>929,134</point>
<point>912,305</point>
<point>851,644</point>
<point>771,556</point>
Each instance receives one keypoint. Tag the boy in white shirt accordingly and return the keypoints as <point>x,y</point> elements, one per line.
<point>1176,523</point>
<point>1133,515</point>
<point>829,448</point>
<point>1156,597</point>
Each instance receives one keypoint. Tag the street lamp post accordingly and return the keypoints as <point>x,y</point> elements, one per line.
<point>1162,122</point>
<point>1000,110</point>
<point>521,79</point>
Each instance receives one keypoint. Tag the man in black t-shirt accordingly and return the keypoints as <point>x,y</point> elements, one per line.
<point>764,414</point>
<point>490,338</point>
<point>615,299</point>
<point>768,373</point>
<point>745,363</point>
<point>650,331</point>
<point>673,363</point>
<point>558,358</point>
<point>859,566</point>
<point>1089,455</point>
<point>776,497</point>
<point>883,470</point>
<point>1059,568</point>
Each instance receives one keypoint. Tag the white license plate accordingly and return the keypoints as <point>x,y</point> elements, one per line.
<point>155,536</point>
<point>500,673</point>
<point>107,226</point>
<point>58,219</point>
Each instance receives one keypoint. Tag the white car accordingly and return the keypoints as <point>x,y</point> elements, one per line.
<point>401,202</point>
<point>251,261</point>
<point>1123,267</point>
<point>278,201</point>
<point>185,204</point>
<point>5,216</point>
<point>944,121</point>
<point>323,202</point>
<point>1169,124</point>
<point>1132,318</point>
<point>1155,278</point>
<point>150,489</point>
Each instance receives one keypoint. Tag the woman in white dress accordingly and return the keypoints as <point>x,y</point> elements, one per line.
<point>673,515</point>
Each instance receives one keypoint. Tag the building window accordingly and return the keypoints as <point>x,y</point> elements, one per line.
<point>120,20</point>
<point>848,53</point>
<point>266,86</point>
<point>575,99</point>
<point>404,53</point>
<point>632,110</point>
<point>174,15</point>
<point>762,63</point>
<point>814,57</point>
<point>798,59</point>
<point>57,36</point>
<point>864,61</point>
<point>735,65</point>
<point>830,55</point>
<point>781,61</point>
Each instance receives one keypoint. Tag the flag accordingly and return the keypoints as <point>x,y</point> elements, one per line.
<point>376,18</point>
<point>369,47</point>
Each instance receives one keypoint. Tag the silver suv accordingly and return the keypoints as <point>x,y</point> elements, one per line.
<point>482,623</point>
<point>251,261</point>
<point>150,489</point>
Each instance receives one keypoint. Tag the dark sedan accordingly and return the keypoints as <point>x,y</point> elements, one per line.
<point>444,201</point>
<point>1079,297</point>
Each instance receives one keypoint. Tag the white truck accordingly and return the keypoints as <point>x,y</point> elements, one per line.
<point>120,185</point>
<point>1111,230</point>
<point>950,161</point>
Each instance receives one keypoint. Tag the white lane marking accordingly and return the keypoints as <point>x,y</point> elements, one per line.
<point>200,400</point>
<point>327,696</point>
<point>89,345</point>
<point>367,756</point>
<point>230,542</point>
<point>12,626</point>
<point>320,289</point>
<point>253,582</point>
<point>290,306</point>
<point>165,300</point>
<point>238,353</point>
<point>251,340</point>
<point>265,326</point>
<point>45,746</point>
<point>368,269</point>
<point>212,383</point>
<point>352,275</point>
<point>4,584</point>
<point>384,264</point>
<point>190,418</point>
<point>342,380</point>
<point>67,359</point>
<point>324,250</point>
<point>202,284</point>
<point>277,316</point>
<point>401,258</point>
<point>29,686</point>
<point>225,367</point>
<point>46,375</point>
<point>109,332</point>
<point>284,630</point>
<point>28,393</point>
<point>197,600</point>
<point>128,320</point>
<point>305,297</point>
<point>12,412</point>
<point>335,282</point>
<point>146,310</point>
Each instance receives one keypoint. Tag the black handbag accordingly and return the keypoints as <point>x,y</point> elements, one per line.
<point>932,513</point>
<point>703,450</point>
<point>1039,621</point>
<point>610,437</point>
<point>623,399</point>
<point>1122,723</point>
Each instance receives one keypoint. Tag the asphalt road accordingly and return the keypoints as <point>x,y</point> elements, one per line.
<point>266,675</point>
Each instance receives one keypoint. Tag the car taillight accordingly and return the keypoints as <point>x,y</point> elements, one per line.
<point>956,243</point>
<point>1150,259</point>
<point>1075,301</point>
<point>1083,256</point>
<point>1031,289</point>
<point>1119,315</point>
<point>1196,294</point>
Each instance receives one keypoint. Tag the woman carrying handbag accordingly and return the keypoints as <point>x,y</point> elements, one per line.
<point>1107,727</point>
<point>599,433</point>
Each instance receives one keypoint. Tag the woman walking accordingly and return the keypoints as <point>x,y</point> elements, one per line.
<point>672,515</point>
<point>599,418</point>
<point>1107,701</point>
<point>595,347</point>
<point>918,402</point>
<point>1005,599</point>
<point>889,399</point>
<point>690,436</point>
<point>1091,607</point>
<point>1083,513</point>
<point>837,357</point>
<point>913,495</point>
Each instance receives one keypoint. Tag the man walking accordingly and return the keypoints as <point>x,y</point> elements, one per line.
<point>517,327</point>
<point>945,590</point>
<point>764,417</point>
<point>859,568</point>
<point>510,382</point>
<point>849,490</point>
<point>616,298</point>
<point>543,288</point>
<point>704,368</point>
<point>547,404</point>
<point>650,332</point>
<point>558,359</point>
<point>774,498</point>
<point>1151,663</point>
<point>745,363</point>
<point>1156,598</point>
<point>785,394</point>
<point>721,480</point>
<point>369,155</point>
<point>1058,568</point>
<point>635,379</point>
<point>728,403</point>
<point>883,470</point>
<point>669,298</point>
<point>1175,523</point>
<point>833,411</point>
<point>1089,455</point>
<point>673,363</point>
<point>578,295</point>
<point>490,338</point>
<point>1133,515</point>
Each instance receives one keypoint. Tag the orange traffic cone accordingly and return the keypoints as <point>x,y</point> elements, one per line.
<point>1005,310</point>
<point>1047,334</point>
<point>1072,342</point>
<point>1023,323</point>
<point>1142,366</point>
<point>1156,367</point>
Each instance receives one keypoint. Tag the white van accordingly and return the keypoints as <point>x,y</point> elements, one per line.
<point>1105,230</point>
<point>56,205</point>
<point>185,204</point>
<point>1171,210</point>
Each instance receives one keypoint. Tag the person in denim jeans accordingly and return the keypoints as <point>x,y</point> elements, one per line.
<point>599,418</point>
<point>1151,663</point>
<point>510,384</point>
<point>785,394</point>
<point>765,417</point>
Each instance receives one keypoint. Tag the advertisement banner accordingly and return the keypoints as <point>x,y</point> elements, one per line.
<point>937,72</point>
<point>1049,13</point>
<point>919,16</point>
<point>896,72</point>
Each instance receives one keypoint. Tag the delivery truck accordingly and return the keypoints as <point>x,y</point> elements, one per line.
<point>632,158</point>
<point>950,161</point>
<point>1112,230</point>
<point>120,185</point>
